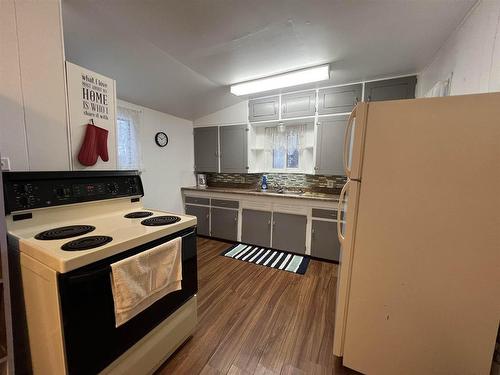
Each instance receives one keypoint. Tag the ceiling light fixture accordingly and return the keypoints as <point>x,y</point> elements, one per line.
<point>297,77</point>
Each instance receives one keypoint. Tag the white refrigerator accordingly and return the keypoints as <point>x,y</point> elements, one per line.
<point>419,283</point>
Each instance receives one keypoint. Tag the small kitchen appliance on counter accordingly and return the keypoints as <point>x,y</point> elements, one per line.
<point>201,180</point>
<point>66,230</point>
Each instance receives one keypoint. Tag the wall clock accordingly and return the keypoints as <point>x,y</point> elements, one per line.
<point>161,139</point>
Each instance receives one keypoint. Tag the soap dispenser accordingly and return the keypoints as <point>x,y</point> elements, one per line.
<point>263,185</point>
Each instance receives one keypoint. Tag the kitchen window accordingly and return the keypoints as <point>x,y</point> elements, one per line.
<point>285,146</point>
<point>127,138</point>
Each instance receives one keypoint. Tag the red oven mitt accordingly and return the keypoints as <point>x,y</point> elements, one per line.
<point>95,144</point>
<point>102,143</point>
<point>88,151</point>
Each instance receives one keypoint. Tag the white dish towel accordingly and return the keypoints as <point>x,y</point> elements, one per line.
<point>140,280</point>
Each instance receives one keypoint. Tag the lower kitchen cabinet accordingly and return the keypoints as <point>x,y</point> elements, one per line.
<point>202,214</point>
<point>289,232</point>
<point>256,227</point>
<point>324,241</point>
<point>224,224</point>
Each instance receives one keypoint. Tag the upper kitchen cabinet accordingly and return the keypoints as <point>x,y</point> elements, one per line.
<point>206,149</point>
<point>339,99</point>
<point>34,122</point>
<point>263,109</point>
<point>299,104</point>
<point>330,145</point>
<point>234,149</point>
<point>391,89</point>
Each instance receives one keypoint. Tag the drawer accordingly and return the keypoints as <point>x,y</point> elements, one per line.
<point>225,203</point>
<point>325,214</point>
<point>198,200</point>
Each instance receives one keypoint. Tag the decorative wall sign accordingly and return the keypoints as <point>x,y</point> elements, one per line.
<point>92,99</point>
<point>161,139</point>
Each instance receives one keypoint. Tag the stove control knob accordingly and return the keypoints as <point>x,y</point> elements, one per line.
<point>113,188</point>
<point>23,201</point>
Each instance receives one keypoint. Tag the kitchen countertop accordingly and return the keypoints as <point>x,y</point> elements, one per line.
<point>255,192</point>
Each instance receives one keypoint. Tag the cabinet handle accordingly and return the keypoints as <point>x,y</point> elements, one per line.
<point>313,234</point>
<point>269,222</point>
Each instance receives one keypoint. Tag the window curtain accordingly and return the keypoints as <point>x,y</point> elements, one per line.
<point>282,141</point>
<point>127,139</point>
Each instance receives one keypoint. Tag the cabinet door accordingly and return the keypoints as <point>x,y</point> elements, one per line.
<point>234,149</point>
<point>256,227</point>
<point>391,89</point>
<point>202,214</point>
<point>324,241</point>
<point>339,99</point>
<point>299,104</point>
<point>289,232</point>
<point>224,223</point>
<point>206,149</point>
<point>330,145</point>
<point>263,109</point>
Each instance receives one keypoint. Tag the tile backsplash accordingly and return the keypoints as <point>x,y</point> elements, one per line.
<point>291,181</point>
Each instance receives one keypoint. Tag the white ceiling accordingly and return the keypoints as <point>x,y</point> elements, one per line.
<point>178,56</point>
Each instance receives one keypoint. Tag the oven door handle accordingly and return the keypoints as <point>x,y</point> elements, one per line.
<point>106,268</point>
<point>90,274</point>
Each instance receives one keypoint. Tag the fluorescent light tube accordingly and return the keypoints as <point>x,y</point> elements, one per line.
<point>298,77</point>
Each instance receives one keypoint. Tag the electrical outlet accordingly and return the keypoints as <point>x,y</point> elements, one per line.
<point>5,164</point>
<point>330,184</point>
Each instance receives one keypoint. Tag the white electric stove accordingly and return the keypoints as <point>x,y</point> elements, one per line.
<point>65,230</point>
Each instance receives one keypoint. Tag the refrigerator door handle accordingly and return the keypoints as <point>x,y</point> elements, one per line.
<point>347,138</point>
<point>339,212</point>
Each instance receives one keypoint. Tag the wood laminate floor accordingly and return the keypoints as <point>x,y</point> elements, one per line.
<point>258,320</point>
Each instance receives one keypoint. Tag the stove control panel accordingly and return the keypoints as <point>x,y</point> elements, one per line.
<point>30,190</point>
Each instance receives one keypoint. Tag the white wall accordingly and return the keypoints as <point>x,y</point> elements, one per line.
<point>33,127</point>
<point>235,114</point>
<point>167,169</point>
<point>471,54</point>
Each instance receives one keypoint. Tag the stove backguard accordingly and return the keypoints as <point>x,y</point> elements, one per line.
<point>24,191</point>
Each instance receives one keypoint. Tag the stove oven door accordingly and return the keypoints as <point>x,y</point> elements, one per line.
<point>91,339</point>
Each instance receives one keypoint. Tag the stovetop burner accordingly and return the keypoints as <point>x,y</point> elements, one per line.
<point>160,220</point>
<point>86,243</point>
<point>64,232</point>
<point>138,214</point>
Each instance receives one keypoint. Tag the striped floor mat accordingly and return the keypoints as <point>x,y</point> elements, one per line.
<point>278,259</point>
